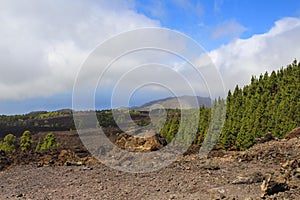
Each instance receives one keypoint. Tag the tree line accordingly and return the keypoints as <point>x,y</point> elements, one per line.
<point>270,103</point>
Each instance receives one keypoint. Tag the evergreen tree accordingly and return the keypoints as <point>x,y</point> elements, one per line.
<point>270,103</point>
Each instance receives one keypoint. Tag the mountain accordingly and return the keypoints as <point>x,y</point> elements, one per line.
<point>182,102</point>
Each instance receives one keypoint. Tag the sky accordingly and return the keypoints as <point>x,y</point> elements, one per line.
<point>44,45</point>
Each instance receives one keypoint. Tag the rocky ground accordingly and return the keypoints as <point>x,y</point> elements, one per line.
<point>268,170</point>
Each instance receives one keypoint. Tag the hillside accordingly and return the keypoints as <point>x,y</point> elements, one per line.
<point>182,102</point>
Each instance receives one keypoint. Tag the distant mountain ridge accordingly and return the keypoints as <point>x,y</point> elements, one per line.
<point>182,102</point>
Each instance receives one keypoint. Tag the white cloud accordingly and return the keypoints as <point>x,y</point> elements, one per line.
<point>242,58</point>
<point>145,66</point>
<point>43,43</point>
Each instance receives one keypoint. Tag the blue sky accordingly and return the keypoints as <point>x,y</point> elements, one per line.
<point>198,19</point>
<point>44,43</point>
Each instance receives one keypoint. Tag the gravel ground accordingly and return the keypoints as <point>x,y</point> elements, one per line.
<point>193,179</point>
<point>235,175</point>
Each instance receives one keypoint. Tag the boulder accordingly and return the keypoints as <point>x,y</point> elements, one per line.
<point>272,185</point>
<point>121,140</point>
<point>288,178</point>
<point>137,143</point>
<point>68,157</point>
<point>291,172</point>
<point>154,143</point>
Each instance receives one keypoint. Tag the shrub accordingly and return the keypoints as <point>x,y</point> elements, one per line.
<point>26,142</point>
<point>49,141</point>
<point>9,143</point>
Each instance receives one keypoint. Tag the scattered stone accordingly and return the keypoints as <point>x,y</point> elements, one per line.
<point>291,173</point>
<point>255,177</point>
<point>210,166</point>
<point>79,163</point>
<point>68,158</point>
<point>217,193</point>
<point>87,168</point>
<point>186,178</point>
<point>19,195</point>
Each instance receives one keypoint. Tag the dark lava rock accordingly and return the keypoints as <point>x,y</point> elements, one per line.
<point>272,185</point>
<point>268,137</point>
<point>4,161</point>
<point>294,133</point>
<point>290,170</point>
<point>289,178</point>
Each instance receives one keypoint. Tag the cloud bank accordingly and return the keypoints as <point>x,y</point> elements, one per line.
<point>242,58</point>
<point>43,43</point>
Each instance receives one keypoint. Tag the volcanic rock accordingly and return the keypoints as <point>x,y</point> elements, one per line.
<point>272,185</point>
<point>294,133</point>
<point>4,161</point>
<point>255,177</point>
<point>137,143</point>
<point>268,137</point>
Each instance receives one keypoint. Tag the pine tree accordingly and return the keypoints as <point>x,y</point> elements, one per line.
<point>270,103</point>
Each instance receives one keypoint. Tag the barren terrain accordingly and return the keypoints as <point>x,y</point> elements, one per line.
<point>270,170</point>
